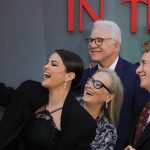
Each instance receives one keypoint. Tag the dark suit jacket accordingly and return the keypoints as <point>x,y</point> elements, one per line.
<point>144,141</point>
<point>134,97</point>
<point>78,127</point>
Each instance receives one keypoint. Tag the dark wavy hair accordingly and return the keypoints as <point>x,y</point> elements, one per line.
<point>146,46</point>
<point>73,63</point>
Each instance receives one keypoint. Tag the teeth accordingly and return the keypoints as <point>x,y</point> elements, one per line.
<point>47,74</point>
<point>141,77</point>
<point>89,93</point>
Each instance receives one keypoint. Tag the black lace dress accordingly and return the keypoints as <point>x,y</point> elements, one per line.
<point>41,132</point>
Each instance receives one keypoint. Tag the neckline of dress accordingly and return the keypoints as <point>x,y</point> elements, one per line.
<point>53,111</point>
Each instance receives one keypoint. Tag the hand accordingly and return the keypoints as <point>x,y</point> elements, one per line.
<point>129,147</point>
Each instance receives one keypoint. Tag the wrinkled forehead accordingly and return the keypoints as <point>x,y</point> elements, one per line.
<point>145,57</point>
<point>101,32</point>
<point>102,76</point>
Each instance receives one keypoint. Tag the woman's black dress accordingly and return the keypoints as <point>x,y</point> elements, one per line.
<point>41,132</point>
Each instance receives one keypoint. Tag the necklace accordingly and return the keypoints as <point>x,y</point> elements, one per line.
<point>54,109</point>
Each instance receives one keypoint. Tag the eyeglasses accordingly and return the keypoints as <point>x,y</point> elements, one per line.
<point>98,84</point>
<point>98,41</point>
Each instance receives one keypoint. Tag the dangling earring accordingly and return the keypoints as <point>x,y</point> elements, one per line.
<point>65,84</point>
<point>106,105</point>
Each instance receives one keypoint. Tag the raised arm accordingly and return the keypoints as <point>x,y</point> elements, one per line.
<point>6,94</point>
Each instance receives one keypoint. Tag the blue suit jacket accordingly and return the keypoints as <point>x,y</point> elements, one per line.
<point>134,97</point>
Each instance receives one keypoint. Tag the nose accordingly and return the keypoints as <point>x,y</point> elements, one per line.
<point>139,69</point>
<point>46,66</point>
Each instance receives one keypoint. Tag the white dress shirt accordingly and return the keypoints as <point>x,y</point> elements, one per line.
<point>113,66</point>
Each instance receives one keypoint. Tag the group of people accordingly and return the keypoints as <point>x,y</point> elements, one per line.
<point>48,116</point>
<point>103,47</point>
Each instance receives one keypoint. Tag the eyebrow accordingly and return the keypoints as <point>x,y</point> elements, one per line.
<point>143,61</point>
<point>54,61</point>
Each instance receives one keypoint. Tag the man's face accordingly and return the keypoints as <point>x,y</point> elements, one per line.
<point>143,71</point>
<point>106,53</point>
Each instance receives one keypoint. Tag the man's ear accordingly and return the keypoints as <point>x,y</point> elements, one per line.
<point>117,46</point>
<point>70,76</point>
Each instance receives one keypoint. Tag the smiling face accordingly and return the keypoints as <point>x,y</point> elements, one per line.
<point>97,97</point>
<point>54,72</point>
<point>105,54</point>
<point>143,71</point>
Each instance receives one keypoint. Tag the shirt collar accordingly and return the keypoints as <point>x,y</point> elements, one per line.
<point>112,67</point>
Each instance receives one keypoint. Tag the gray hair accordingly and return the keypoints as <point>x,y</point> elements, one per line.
<point>112,26</point>
<point>116,88</point>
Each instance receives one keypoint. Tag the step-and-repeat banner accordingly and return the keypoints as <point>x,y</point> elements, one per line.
<point>31,29</point>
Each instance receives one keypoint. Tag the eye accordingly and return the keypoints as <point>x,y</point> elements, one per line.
<point>144,62</point>
<point>54,64</point>
<point>90,40</point>
<point>99,40</point>
<point>98,84</point>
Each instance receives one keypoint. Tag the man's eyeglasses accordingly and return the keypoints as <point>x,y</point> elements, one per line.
<point>98,84</point>
<point>98,41</point>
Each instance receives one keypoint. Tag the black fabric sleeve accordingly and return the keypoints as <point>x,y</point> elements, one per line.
<point>6,94</point>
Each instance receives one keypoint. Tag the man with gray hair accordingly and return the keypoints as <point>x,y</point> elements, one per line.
<point>103,47</point>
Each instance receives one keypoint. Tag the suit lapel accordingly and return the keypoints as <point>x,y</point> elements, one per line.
<point>120,67</point>
<point>133,130</point>
<point>93,70</point>
<point>145,135</point>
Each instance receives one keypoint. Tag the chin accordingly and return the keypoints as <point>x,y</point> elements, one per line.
<point>44,83</point>
<point>142,85</point>
<point>86,100</point>
<point>96,59</point>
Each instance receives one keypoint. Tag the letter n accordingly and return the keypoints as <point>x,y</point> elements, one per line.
<point>84,4</point>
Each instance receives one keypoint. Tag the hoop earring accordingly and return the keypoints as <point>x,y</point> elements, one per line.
<point>65,84</point>
<point>106,104</point>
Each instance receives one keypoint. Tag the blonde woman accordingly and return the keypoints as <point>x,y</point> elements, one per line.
<point>102,98</point>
